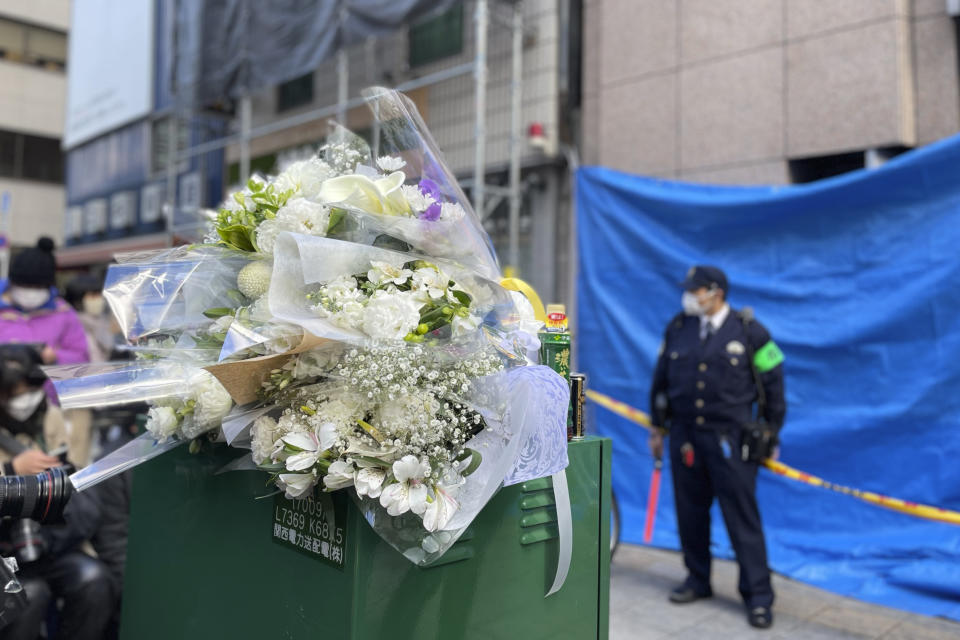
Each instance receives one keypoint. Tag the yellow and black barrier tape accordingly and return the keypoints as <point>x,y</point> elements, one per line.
<point>896,504</point>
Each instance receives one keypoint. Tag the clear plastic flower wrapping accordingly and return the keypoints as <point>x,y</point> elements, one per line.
<point>351,309</point>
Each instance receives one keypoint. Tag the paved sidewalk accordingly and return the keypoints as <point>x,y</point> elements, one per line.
<point>641,577</point>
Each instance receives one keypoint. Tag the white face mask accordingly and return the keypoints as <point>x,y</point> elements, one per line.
<point>692,305</point>
<point>28,298</point>
<point>23,406</point>
<point>94,305</point>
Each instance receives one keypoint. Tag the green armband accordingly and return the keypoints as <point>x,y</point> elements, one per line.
<point>768,357</point>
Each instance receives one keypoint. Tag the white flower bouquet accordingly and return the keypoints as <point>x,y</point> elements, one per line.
<point>344,322</point>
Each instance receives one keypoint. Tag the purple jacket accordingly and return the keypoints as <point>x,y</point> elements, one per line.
<point>55,324</point>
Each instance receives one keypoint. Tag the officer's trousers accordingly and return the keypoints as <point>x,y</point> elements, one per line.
<point>719,472</point>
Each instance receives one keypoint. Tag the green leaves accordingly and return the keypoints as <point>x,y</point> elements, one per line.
<point>237,226</point>
<point>462,296</point>
<point>218,312</point>
<point>237,236</point>
<point>475,460</point>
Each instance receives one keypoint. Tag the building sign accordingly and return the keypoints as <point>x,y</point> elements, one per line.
<point>95,216</point>
<point>73,226</point>
<point>151,203</point>
<point>123,210</point>
<point>110,75</point>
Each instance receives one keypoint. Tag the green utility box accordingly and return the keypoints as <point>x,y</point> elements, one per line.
<point>204,561</point>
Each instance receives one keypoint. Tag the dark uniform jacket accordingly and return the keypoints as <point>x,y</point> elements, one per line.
<point>710,384</point>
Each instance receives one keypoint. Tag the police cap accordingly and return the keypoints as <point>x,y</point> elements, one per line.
<point>705,276</point>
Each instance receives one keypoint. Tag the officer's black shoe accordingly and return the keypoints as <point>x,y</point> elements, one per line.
<point>685,594</point>
<point>760,617</point>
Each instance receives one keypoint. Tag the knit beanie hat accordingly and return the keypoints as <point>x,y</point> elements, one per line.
<point>35,267</point>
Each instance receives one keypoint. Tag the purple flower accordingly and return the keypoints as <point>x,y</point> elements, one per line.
<point>429,188</point>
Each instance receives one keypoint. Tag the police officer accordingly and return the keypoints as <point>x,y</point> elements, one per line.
<point>714,366</point>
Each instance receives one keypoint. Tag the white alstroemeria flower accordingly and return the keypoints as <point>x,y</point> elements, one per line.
<point>408,493</point>
<point>382,272</point>
<point>369,481</point>
<point>443,506</point>
<point>391,163</point>
<point>360,192</point>
<point>312,444</point>
<point>390,316</point>
<point>162,422</point>
<point>464,325</point>
<point>340,475</point>
<point>430,283</point>
<point>297,485</point>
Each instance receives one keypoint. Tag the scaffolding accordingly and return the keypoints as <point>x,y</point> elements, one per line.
<point>485,197</point>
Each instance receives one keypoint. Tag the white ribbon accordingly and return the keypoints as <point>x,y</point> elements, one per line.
<point>561,495</point>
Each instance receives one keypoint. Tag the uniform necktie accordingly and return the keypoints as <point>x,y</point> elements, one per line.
<point>706,330</point>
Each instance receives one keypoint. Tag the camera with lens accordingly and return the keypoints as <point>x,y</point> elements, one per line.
<point>30,501</point>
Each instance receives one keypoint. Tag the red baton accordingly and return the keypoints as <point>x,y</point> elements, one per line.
<point>652,498</point>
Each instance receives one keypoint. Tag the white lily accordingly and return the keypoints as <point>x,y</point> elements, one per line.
<point>383,195</point>
<point>408,493</point>
<point>313,444</point>
<point>297,484</point>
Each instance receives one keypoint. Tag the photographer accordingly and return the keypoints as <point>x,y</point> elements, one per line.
<point>52,564</point>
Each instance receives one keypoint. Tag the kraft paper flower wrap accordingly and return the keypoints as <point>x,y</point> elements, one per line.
<point>344,321</point>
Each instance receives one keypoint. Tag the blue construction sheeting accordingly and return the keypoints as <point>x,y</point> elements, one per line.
<point>858,280</point>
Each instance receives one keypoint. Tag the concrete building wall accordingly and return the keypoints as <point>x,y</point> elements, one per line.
<point>33,101</point>
<point>54,14</point>
<point>730,90</point>
<point>36,209</point>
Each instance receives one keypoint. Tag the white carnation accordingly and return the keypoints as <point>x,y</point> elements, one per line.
<point>212,400</point>
<point>162,422</point>
<point>304,178</point>
<point>263,437</point>
<point>280,337</point>
<point>297,215</point>
<point>390,316</point>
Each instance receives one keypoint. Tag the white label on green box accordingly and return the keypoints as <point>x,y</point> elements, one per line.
<point>314,525</point>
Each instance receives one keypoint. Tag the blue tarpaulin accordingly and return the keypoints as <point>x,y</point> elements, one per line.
<point>858,280</point>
